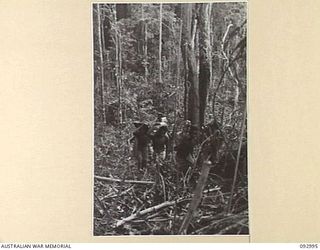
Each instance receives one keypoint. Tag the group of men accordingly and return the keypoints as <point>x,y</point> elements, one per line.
<point>152,143</point>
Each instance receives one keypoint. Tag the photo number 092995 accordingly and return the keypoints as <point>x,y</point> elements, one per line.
<point>170,119</point>
<point>308,246</point>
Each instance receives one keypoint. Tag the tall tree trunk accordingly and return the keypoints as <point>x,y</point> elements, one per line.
<point>210,45</point>
<point>145,45</point>
<point>104,50</point>
<point>177,83</point>
<point>188,52</point>
<point>108,43</point>
<point>101,66</point>
<point>236,82</point>
<point>120,78</point>
<point>160,44</point>
<point>193,110</point>
<point>178,64</point>
<point>243,125</point>
<point>204,70</point>
<point>145,48</point>
<point>118,65</point>
<point>211,49</point>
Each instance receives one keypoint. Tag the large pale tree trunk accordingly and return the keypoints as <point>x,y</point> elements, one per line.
<point>160,44</point>
<point>145,45</point>
<point>204,67</point>
<point>118,65</point>
<point>100,35</point>
<point>189,57</point>
<point>178,70</point>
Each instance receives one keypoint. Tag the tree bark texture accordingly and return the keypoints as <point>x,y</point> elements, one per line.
<point>100,30</point>
<point>189,58</point>
<point>160,44</point>
<point>204,67</point>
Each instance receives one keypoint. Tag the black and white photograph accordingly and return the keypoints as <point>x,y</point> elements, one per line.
<point>170,119</point>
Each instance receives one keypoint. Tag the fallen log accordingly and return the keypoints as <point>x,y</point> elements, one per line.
<point>197,196</point>
<point>158,207</point>
<point>148,210</point>
<point>100,178</point>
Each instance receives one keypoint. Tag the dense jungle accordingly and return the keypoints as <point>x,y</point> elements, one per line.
<point>170,119</point>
